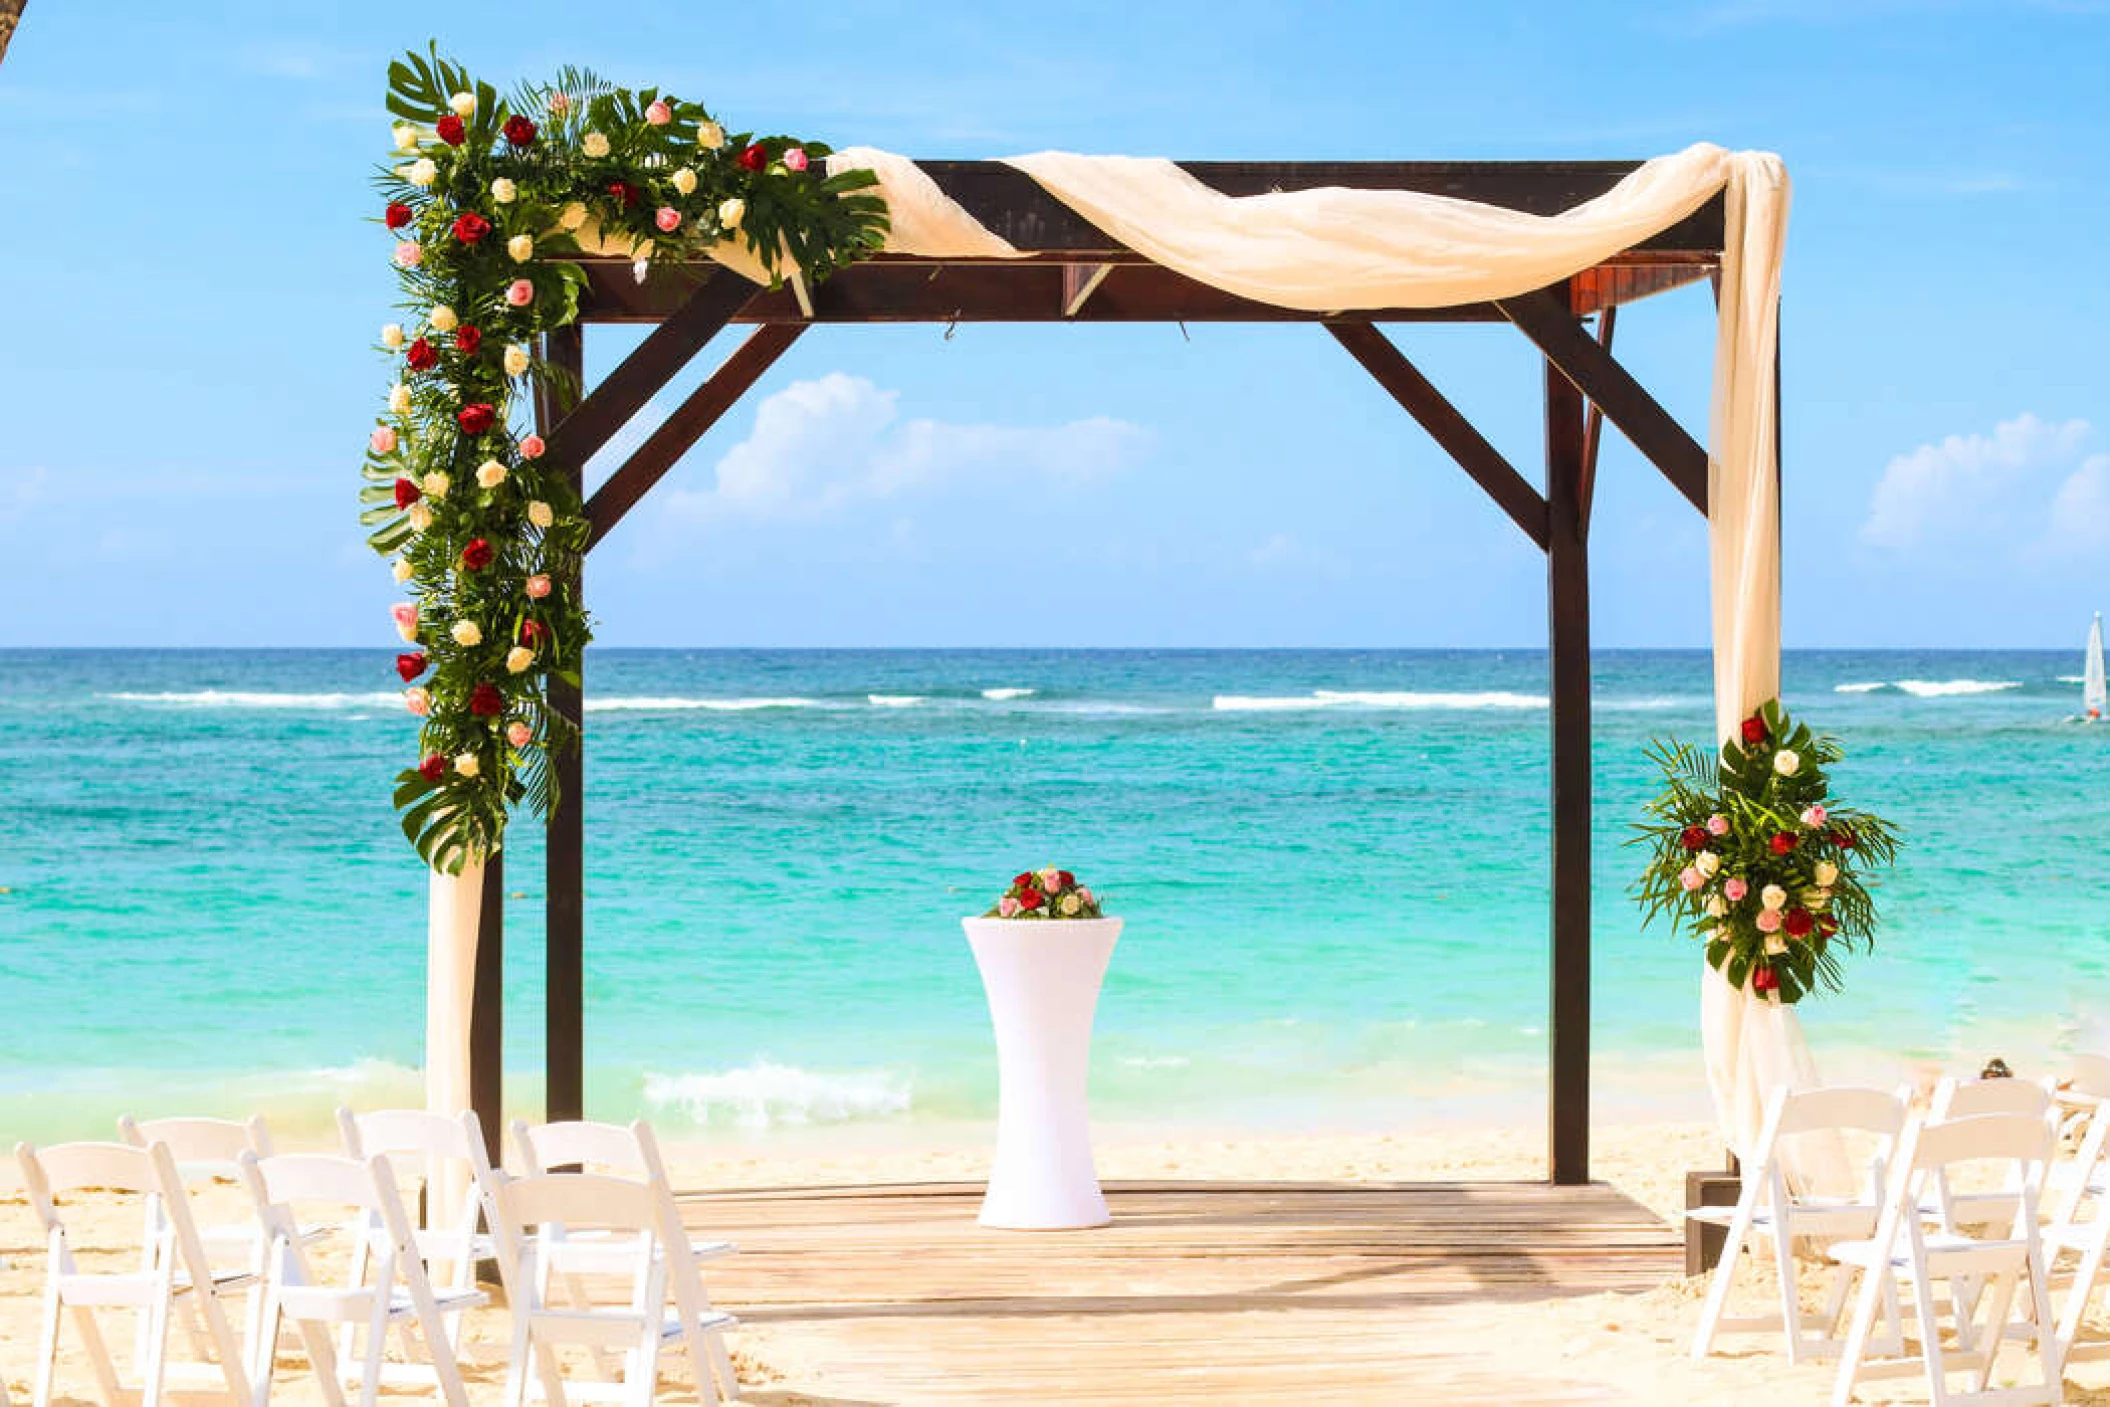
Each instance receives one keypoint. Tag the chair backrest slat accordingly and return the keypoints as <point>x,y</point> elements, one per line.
<point>197,1140</point>
<point>579,1200</point>
<point>578,1141</point>
<point>76,1167</point>
<point>1970,1099</point>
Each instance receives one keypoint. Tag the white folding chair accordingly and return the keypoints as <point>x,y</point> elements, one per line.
<point>1904,1249</point>
<point>395,1293</point>
<point>631,1151</point>
<point>413,1138</point>
<point>539,1218</point>
<point>2080,1227</point>
<point>1768,1211</point>
<point>173,1265</point>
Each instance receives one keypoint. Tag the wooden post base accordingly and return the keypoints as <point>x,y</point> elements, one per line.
<point>1710,1187</point>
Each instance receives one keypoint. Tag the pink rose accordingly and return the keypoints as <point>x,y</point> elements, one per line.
<point>1734,890</point>
<point>1769,921</point>
<point>531,447</point>
<point>1815,816</point>
<point>668,219</point>
<point>418,701</point>
<point>409,254</point>
<point>519,734</point>
<point>659,114</point>
<point>538,586</point>
<point>520,292</point>
<point>1718,825</point>
<point>1084,896</point>
<point>406,614</point>
<point>382,441</point>
<point>1691,878</point>
<point>1007,907</point>
<point>795,158</point>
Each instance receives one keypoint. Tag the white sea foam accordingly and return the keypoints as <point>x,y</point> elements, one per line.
<point>652,703</point>
<point>1365,698</point>
<point>999,695</point>
<point>247,698</point>
<point>1869,688</point>
<point>766,1095</point>
<point>895,700</point>
<point>1945,688</point>
<point>1155,1062</point>
<point>2073,679</point>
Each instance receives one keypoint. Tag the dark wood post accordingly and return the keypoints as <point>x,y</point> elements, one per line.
<point>1568,654</point>
<point>564,941</point>
<point>487,1008</point>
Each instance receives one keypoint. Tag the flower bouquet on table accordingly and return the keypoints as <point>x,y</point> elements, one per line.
<point>1749,854</point>
<point>1046,893</point>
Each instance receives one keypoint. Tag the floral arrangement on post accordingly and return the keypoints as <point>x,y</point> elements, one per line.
<point>1749,854</point>
<point>488,199</point>
<point>1046,893</point>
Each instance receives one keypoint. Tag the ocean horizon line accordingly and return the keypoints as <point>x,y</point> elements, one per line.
<point>1491,650</point>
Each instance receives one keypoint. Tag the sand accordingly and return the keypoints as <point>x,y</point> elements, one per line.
<point>1630,1346</point>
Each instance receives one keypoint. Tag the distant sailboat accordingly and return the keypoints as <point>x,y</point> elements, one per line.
<point>2092,694</point>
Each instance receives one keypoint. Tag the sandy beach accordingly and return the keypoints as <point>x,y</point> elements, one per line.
<point>1612,1347</point>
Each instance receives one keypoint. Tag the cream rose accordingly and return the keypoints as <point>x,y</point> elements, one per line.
<point>435,484</point>
<point>709,135</point>
<point>541,514</point>
<point>594,145</point>
<point>684,181</point>
<point>420,516</point>
<point>518,659</point>
<point>1773,896</point>
<point>406,137</point>
<point>1708,863</point>
<point>467,634</point>
<point>517,358</point>
<point>418,701</point>
<point>422,172</point>
<point>443,318</point>
<point>1787,762</point>
<point>1826,873</point>
<point>466,764</point>
<point>1070,904</point>
<point>1775,944</point>
<point>399,399</point>
<point>731,212</point>
<point>521,248</point>
<point>572,216</point>
<point>464,104</point>
<point>392,336</point>
<point>400,569</point>
<point>1717,907</point>
<point>490,474</point>
<point>504,192</point>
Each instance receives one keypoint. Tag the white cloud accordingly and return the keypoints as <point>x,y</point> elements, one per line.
<point>1979,488</point>
<point>821,446</point>
<point>2080,512</point>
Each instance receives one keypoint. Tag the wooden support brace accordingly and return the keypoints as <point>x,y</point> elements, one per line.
<point>799,292</point>
<point>703,408</point>
<point>582,433</point>
<point>1079,282</point>
<point>1545,319</point>
<point>1593,427</point>
<point>1511,491</point>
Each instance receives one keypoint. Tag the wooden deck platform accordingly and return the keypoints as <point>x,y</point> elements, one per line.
<point>1199,1292</point>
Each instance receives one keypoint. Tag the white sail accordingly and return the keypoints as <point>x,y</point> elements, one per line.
<point>2092,693</point>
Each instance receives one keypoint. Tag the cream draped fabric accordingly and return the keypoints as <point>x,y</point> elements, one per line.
<point>1340,250</point>
<point>453,911</point>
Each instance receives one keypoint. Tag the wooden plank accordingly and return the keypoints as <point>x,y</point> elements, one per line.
<point>564,900</point>
<point>1568,658</point>
<point>487,1006</point>
<point>1079,282</point>
<point>1512,493</point>
<point>1593,427</point>
<point>695,415</point>
<point>1545,318</point>
<point>704,310</point>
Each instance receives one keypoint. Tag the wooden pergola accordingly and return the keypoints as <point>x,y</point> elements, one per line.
<point>1069,271</point>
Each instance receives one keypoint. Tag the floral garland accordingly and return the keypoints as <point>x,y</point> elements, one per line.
<point>1749,855</point>
<point>1048,893</point>
<point>489,200</point>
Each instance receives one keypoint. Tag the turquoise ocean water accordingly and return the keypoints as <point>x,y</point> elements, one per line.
<point>1333,867</point>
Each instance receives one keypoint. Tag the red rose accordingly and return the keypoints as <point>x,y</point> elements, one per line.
<point>433,768</point>
<point>1754,730</point>
<point>532,631</point>
<point>624,192</point>
<point>450,130</point>
<point>407,493</point>
<point>1066,879</point>
<point>410,666</point>
<point>1765,979</point>
<point>397,216</point>
<point>477,555</point>
<point>485,701</point>
<point>754,158</point>
<point>520,132</point>
<point>469,227</point>
<point>1693,837</point>
<point>1799,922</point>
<point>1781,843</point>
<point>1843,839</point>
<point>1827,925</point>
<point>1031,899</point>
<point>475,418</point>
<point>421,356</point>
<point>1024,881</point>
<point>467,339</point>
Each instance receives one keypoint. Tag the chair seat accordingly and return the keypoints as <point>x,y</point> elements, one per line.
<point>1948,1253</point>
<point>337,1304</point>
<point>1816,1217</point>
<point>591,1252</point>
<point>138,1287</point>
<point>710,1321</point>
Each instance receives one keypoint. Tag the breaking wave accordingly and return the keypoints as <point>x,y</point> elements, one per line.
<point>767,1095</point>
<point>1377,699</point>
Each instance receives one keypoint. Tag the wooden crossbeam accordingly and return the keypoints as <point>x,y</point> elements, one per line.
<point>1079,282</point>
<point>1593,427</point>
<point>1447,425</point>
<point>706,310</point>
<point>1544,317</point>
<point>697,414</point>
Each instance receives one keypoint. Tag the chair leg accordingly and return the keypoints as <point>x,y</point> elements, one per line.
<point>370,1364</point>
<point>1930,1335</point>
<point>1718,1287</point>
<point>1850,1353</point>
<point>517,1362</point>
<point>322,1357</point>
<point>47,1349</point>
<point>91,1333</point>
<point>1790,1292</point>
<point>154,1369</point>
<point>1998,1295</point>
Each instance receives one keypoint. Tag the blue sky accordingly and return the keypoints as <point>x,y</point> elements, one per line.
<point>193,291</point>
